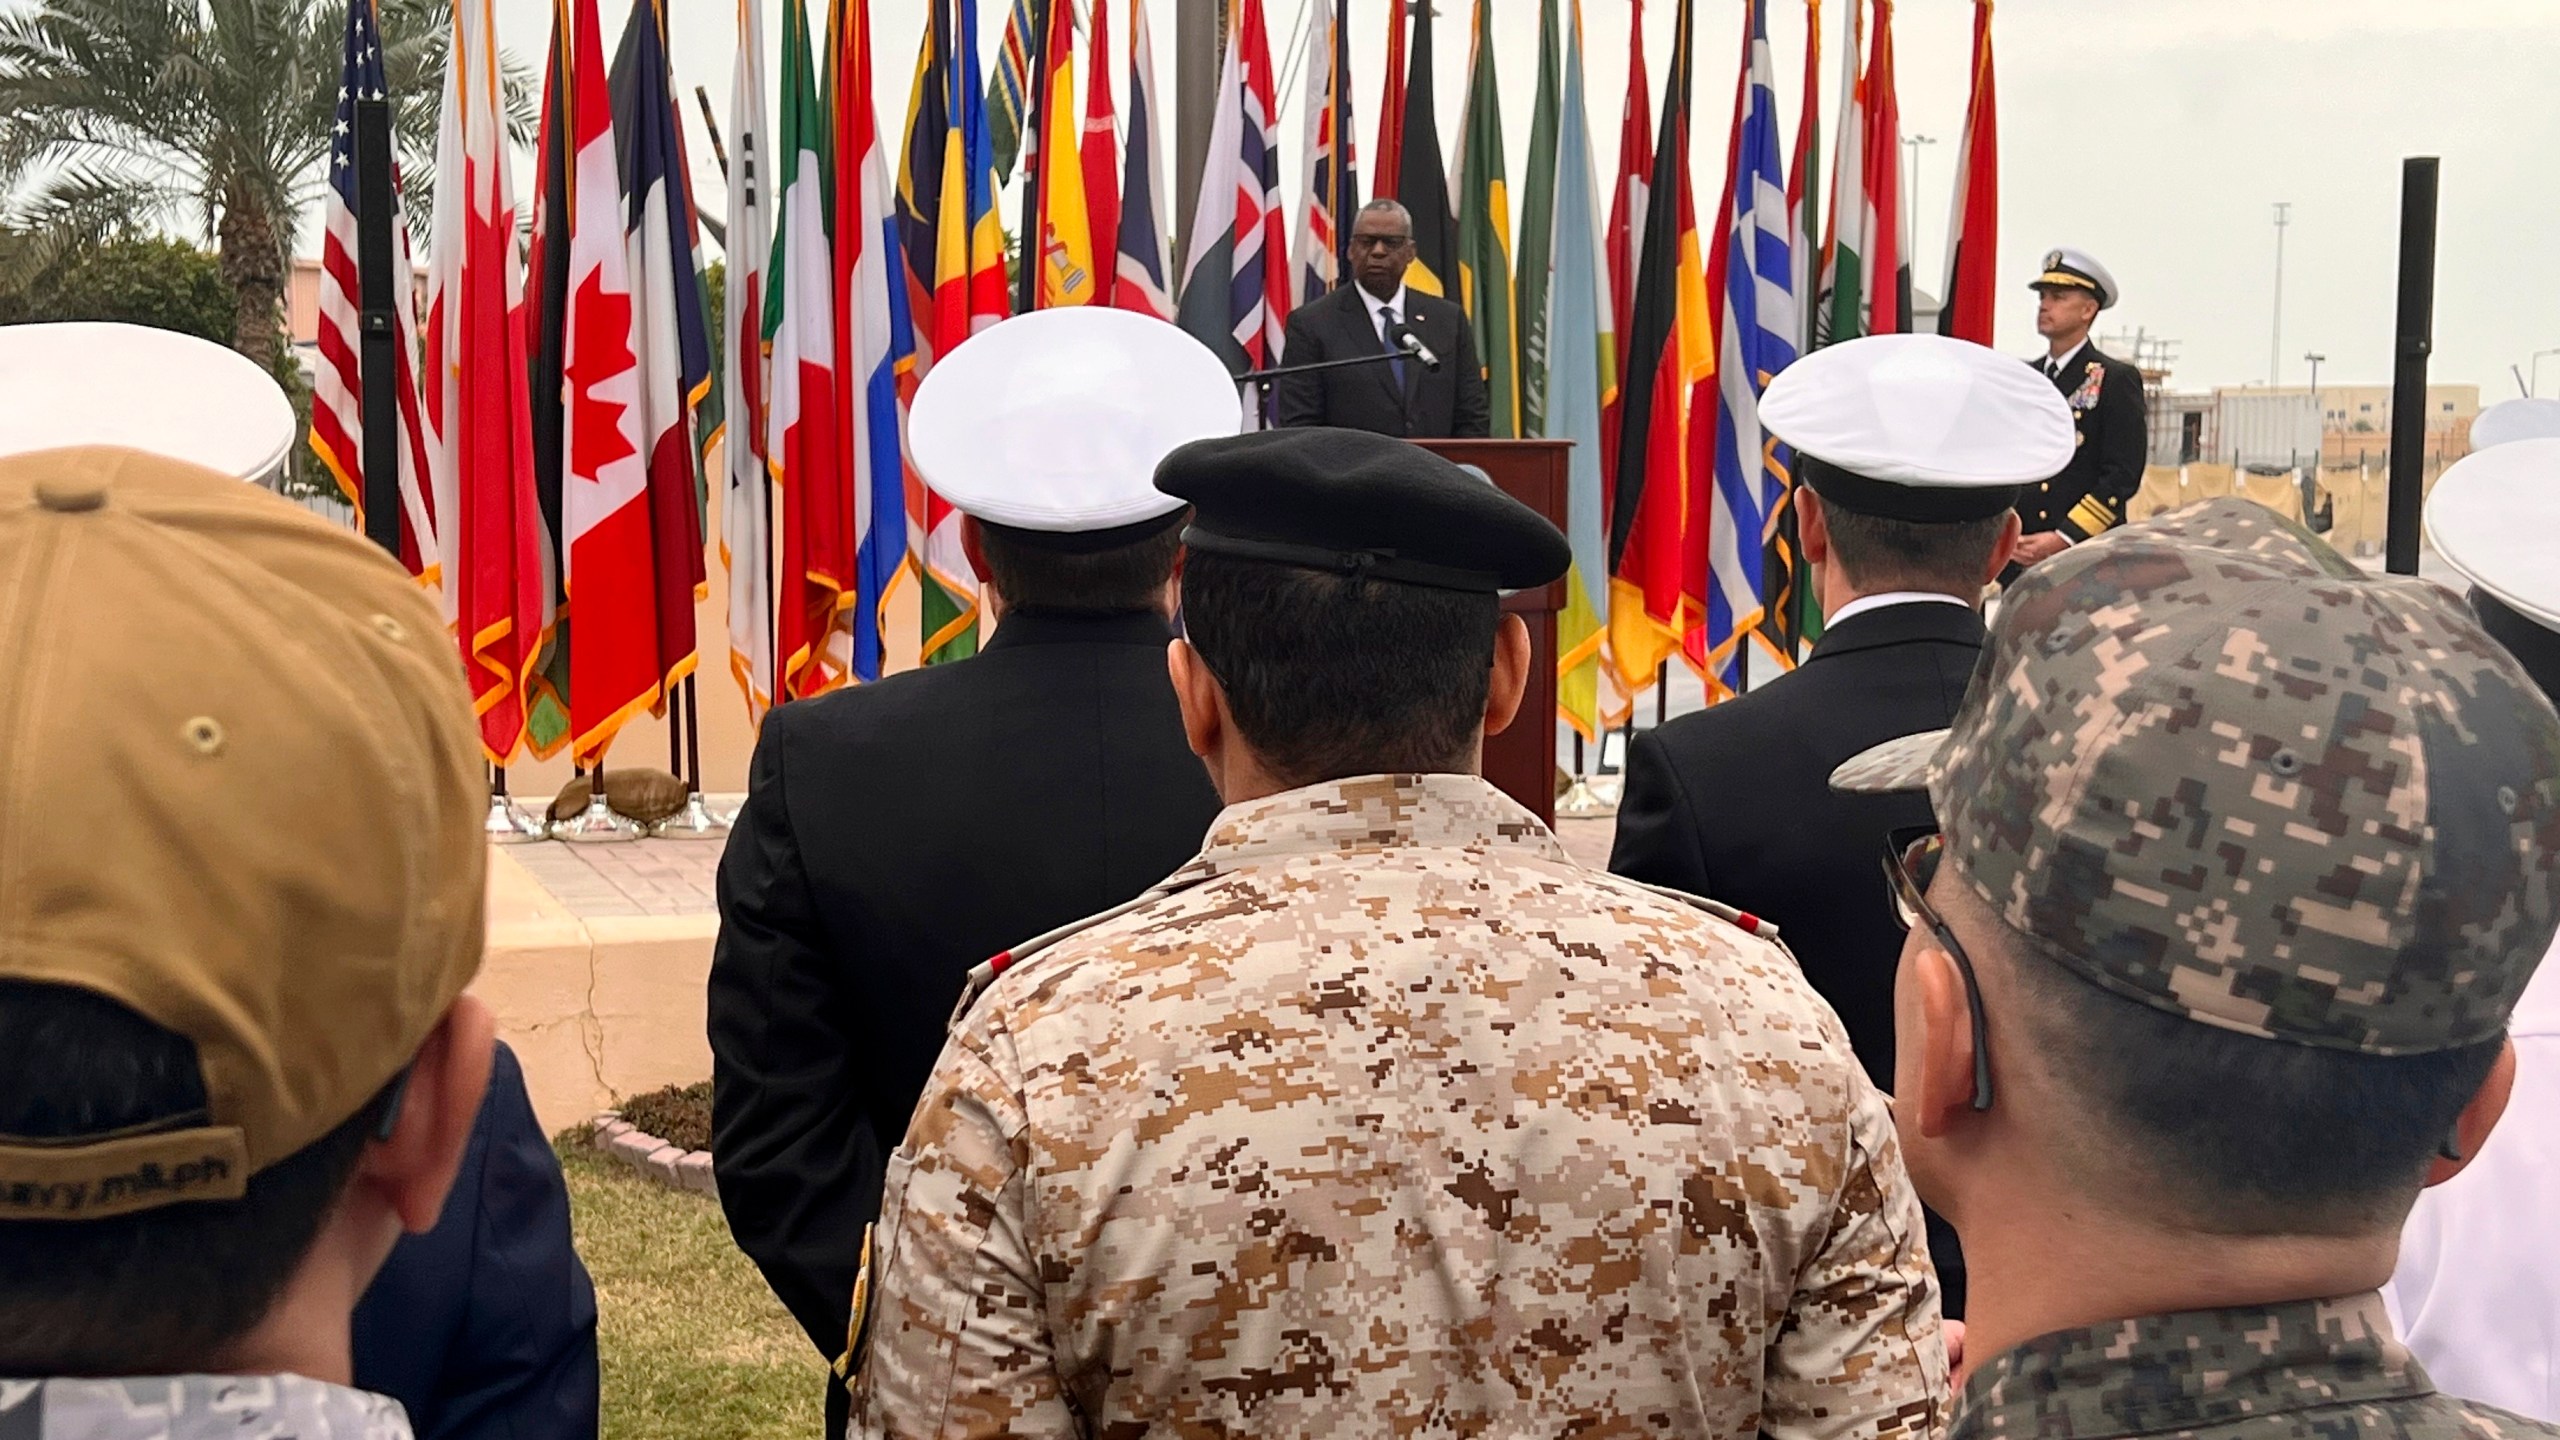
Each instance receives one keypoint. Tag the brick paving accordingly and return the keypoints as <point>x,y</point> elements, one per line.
<point>644,877</point>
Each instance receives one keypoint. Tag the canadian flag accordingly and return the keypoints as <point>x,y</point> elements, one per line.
<point>613,659</point>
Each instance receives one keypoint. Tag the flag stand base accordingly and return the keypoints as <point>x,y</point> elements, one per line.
<point>508,825</point>
<point>694,822</point>
<point>598,824</point>
<point>1583,800</point>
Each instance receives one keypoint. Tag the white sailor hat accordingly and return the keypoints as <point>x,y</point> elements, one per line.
<point>2524,419</point>
<point>1052,423</point>
<point>1919,427</point>
<point>2494,516</point>
<point>94,383</point>
<point>2069,269</point>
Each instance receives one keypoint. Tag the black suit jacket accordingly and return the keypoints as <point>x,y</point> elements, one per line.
<point>1450,401</point>
<point>2107,405</point>
<point>894,835</point>
<point>484,1328</point>
<point>1735,802</point>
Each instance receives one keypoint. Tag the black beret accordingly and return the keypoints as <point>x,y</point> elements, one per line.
<point>1354,503</point>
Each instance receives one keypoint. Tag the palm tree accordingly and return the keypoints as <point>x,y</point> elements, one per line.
<point>125,115</point>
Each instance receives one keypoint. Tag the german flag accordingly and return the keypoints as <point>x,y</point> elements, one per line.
<point>1657,539</point>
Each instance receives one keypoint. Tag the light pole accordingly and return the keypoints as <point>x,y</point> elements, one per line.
<point>2536,387</point>
<point>2320,446</point>
<point>2275,344</point>
<point>1910,204</point>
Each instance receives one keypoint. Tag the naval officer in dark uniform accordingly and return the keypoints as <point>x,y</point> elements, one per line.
<point>1913,450</point>
<point>2105,395</point>
<point>898,833</point>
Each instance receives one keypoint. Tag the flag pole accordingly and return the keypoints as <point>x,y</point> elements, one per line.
<point>684,756</point>
<point>1346,197</point>
<point>1026,286</point>
<point>376,336</point>
<point>2416,337</point>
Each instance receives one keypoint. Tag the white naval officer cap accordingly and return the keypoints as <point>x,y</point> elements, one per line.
<point>1919,427</point>
<point>1051,424</point>
<point>2494,516</point>
<point>141,388</point>
<point>2523,419</point>
<point>2069,269</point>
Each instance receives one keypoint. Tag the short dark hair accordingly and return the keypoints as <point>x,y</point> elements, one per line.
<point>1035,579</point>
<point>1880,554</point>
<point>154,1292</point>
<point>1329,676</point>
<point>2233,1134</point>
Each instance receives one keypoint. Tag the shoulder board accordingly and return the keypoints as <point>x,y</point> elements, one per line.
<point>983,974</point>
<point>1742,920</point>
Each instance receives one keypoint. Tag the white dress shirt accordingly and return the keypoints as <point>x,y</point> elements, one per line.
<point>2054,365</point>
<point>1378,309</point>
<point>2477,1294</point>
<point>1865,603</point>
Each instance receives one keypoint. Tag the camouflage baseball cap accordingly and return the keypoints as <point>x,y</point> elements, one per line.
<point>2223,771</point>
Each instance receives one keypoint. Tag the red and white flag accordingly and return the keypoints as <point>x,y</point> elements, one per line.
<point>1099,149</point>
<point>1973,236</point>
<point>477,422</point>
<point>613,645</point>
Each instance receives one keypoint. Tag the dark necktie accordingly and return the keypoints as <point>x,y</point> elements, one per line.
<point>1387,323</point>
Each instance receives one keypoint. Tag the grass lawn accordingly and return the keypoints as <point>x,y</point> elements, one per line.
<point>693,1345</point>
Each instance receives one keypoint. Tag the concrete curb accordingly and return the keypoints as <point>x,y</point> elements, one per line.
<point>653,1158</point>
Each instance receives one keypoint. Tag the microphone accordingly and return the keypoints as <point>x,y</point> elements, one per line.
<point>1413,346</point>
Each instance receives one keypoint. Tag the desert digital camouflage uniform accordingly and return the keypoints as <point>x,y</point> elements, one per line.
<point>196,1407</point>
<point>1384,1118</point>
<point>2310,1370</point>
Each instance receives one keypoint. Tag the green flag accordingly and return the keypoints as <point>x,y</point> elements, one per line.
<point>1484,234</point>
<point>1537,232</point>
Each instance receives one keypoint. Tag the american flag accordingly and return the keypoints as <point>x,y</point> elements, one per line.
<point>337,399</point>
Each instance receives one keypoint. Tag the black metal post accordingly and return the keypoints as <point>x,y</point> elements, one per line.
<point>2409,362</point>
<point>1662,692</point>
<point>378,336</point>
<point>675,729</point>
<point>692,737</point>
<point>1346,188</point>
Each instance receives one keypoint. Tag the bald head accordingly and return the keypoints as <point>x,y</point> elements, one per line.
<point>1381,247</point>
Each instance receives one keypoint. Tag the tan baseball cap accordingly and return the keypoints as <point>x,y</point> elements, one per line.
<point>240,794</point>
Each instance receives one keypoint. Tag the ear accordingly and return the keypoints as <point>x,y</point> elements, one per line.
<point>1943,1050</point>
<point>2471,1128</point>
<point>1202,700</point>
<point>1511,658</point>
<point>973,543</point>
<point>439,1105</point>
<point>2006,549</point>
<point>1813,527</point>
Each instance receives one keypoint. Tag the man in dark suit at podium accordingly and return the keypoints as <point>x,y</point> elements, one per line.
<point>1913,450</point>
<point>1432,388</point>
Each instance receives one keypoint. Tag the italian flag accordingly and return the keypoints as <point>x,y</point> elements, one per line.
<point>801,434</point>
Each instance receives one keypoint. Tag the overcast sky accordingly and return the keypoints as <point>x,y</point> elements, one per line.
<point>2155,134</point>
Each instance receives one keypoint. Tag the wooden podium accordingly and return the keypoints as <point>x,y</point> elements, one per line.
<point>1522,759</point>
